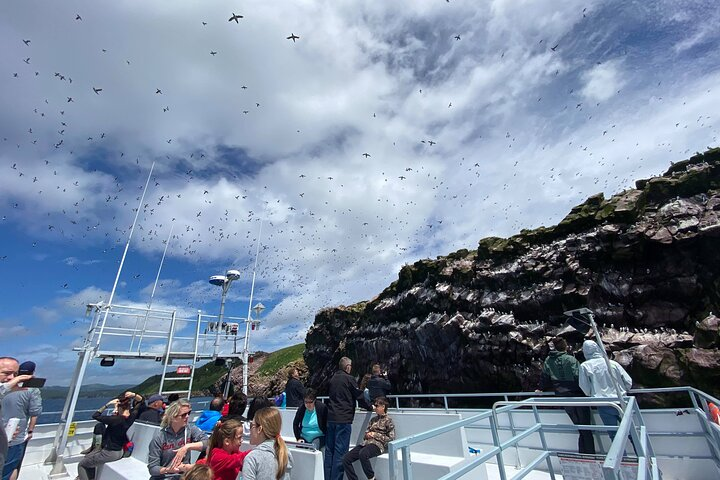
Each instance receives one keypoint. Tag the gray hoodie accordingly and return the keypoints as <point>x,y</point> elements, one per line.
<point>593,375</point>
<point>163,448</point>
<point>261,463</point>
<point>22,404</point>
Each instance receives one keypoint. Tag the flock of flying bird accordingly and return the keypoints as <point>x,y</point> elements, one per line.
<point>307,225</point>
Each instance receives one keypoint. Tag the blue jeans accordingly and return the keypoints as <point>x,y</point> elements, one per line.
<point>611,417</point>
<point>337,444</point>
<point>12,460</point>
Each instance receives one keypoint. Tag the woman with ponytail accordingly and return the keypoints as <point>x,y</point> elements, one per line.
<point>270,460</point>
<point>225,457</point>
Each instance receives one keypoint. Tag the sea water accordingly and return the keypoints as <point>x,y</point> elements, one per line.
<point>52,408</point>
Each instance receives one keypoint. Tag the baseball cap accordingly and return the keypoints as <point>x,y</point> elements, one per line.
<point>155,398</point>
<point>27,367</point>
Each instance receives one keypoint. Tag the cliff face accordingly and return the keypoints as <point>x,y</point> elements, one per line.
<point>645,261</point>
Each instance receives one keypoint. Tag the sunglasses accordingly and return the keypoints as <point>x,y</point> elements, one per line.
<point>183,415</point>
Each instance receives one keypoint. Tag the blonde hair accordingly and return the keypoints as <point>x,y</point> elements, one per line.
<point>199,471</point>
<point>271,422</point>
<point>173,410</point>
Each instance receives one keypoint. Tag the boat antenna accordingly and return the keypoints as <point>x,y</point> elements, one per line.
<point>247,323</point>
<point>152,294</point>
<point>122,260</point>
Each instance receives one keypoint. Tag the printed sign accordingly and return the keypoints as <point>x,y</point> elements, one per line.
<point>71,430</point>
<point>589,467</point>
<point>183,370</point>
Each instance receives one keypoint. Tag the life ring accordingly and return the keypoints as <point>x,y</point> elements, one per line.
<point>714,413</point>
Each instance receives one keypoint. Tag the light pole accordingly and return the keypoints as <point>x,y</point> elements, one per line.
<point>223,281</point>
<point>258,308</point>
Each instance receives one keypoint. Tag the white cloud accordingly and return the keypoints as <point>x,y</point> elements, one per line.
<point>602,82</point>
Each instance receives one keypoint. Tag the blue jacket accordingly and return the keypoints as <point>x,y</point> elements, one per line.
<point>207,420</point>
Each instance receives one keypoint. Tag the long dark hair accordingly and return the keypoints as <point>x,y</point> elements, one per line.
<point>257,404</point>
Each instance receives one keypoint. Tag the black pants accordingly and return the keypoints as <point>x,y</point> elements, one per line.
<point>364,453</point>
<point>582,416</point>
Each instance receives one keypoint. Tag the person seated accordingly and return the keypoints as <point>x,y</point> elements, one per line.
<point>208,418</point>
<point>115,436</point>
<point>169,450</point>
<point>225,457</point>
<point>310,422</point>
<point>270,459</point>
<point>154,412</point>
<point>236,406</point>
<point>380,432</point>
<point>198,472</point>
<point>257,404</point>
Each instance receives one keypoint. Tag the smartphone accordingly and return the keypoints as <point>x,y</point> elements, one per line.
<point>34,382</point>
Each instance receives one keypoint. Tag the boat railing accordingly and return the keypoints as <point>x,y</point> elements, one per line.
<point>612,461</point>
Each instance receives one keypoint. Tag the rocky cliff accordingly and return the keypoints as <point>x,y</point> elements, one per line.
<point>646,261</point>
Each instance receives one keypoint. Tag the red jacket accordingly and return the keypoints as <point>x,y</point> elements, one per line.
<point>226,466</point>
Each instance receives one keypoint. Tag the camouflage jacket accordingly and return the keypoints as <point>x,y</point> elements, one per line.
<point>381,430</point>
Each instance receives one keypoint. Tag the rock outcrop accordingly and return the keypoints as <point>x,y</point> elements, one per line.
<point>645,261</point>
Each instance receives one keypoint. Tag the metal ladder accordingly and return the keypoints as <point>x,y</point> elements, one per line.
<point>174,379</point>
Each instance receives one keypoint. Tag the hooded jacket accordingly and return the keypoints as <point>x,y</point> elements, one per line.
<point>207,420</point>
<point>560,371</point>
<point>595,380</point>
<point>261,463</point>
<point>163,447</point>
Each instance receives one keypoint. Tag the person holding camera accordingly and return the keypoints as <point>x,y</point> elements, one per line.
<point>115,436</point>
<point>378,385</point>
<point>9,380</point>
<point>25,405</point>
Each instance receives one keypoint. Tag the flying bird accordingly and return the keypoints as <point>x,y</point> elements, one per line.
<point>26,42</point>
<point>97,90</point>
<point>213,53</point>
<point>158,91</point>
<point>555,47</point>
<point>78,17</point>
<point>457,37</point>
<point>293,37</point>
<point>366,155</point>
<point>235,17</point>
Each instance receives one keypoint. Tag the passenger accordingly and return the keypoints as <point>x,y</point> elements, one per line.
<point>378,385</point>
<point>595,381</point>
<point>154,412</point>
<point>208,418</point>
<point>380,432</point>
<point>96,443</point>
<point>560,371</point>
<point>198,472</point>
<point>294,389</point>
<point>25,405</point>
<point>225,456</point>
<point>343,396</point>
<point>9,379</point>
<point>169,450</point>
<point>270,460</point>
<point>257,404</point>
<point>310,423</point>
<point>173,397</point>
<point>236,407</point>
<point>363,386</point>
<point>115,436</point>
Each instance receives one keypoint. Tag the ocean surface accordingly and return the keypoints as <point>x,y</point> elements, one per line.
<point>52,408</point>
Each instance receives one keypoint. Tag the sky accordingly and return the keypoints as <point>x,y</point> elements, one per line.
<point>388,132</point>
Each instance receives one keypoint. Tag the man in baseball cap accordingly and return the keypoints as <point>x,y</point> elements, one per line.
<point>155,410</point>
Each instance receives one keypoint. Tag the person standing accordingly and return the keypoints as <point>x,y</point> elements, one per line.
<point>294,390</point>
<point>343,395</point>
<point>115,436</point>
<point>378,385</point>
<point>9,380</point>
<point>596,381</point>
<point>380,432</point>
<point>560,372</point>
<point>25,405</point>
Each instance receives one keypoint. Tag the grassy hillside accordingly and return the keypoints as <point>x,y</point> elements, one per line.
<point>208,374</point>
<point>281,358</point>
<point>205,376</point>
